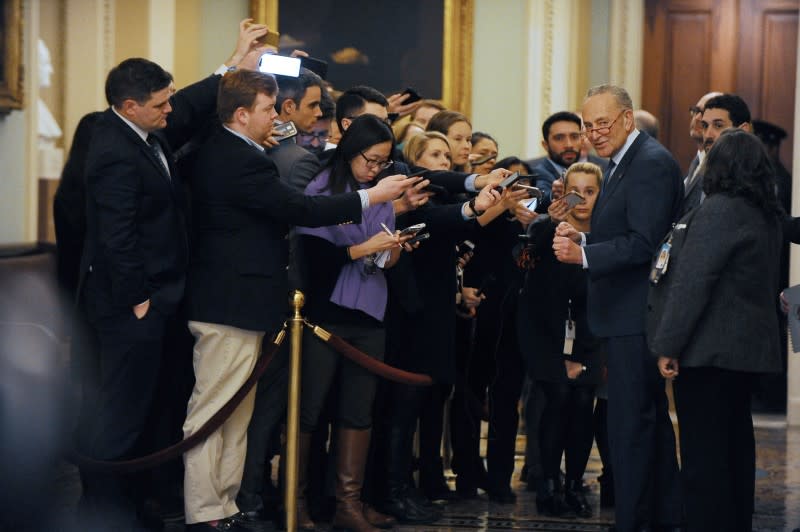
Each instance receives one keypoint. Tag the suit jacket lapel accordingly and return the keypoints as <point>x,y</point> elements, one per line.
<point>619,173</point>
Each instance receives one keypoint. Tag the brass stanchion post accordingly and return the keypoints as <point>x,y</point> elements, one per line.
<point>293,414</point>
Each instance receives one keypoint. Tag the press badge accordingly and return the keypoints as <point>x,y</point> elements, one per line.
<point>662,262</point>
<point>569,336</point>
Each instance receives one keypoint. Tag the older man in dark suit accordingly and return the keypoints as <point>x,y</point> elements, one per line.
<point>640,199</point>
<point>237,286</point>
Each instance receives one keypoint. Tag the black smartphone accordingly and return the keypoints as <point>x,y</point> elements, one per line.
<point>284,131</point>
<point>317,66</point>
<point>418,238</point>
<point>481,160</point>
<point>413,95</point>
<point>412,229</point>
<point>507,182</point>
<point>417,173</point>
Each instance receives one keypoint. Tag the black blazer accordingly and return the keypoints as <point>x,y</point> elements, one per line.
<point>242,211</point>
<point>136,242</point>
<point>546,173</point>
<point>633,213</point>
<point>715,306</point>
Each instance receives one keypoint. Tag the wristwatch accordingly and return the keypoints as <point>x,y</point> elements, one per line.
<point>475,211</point>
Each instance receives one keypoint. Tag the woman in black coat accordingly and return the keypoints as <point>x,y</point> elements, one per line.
<point>564,355</point>
<point>421,335</point>
<point>711,318</point>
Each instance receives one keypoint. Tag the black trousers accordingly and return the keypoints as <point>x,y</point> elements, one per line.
<point>130,361</point>
<point>268,412</point>
<point>431,421</point>
<point>718,456</point>
<point>566,428</point>
<point>641,438</point>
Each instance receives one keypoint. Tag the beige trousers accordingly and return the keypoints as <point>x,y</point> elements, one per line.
<point>223,359</point>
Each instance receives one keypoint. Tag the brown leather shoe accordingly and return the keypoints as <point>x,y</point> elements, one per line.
<point>378,519</point>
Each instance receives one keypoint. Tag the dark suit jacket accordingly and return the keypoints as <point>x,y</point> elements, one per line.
<point>693,192</point>
<point>242,213</point>
<point>546,173</point>
<point>296,165</point>
<point>715,306</point>
<point>633,213</point>
<point>135,228</point>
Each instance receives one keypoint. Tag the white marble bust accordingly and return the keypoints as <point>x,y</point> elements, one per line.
<point>51,158</point>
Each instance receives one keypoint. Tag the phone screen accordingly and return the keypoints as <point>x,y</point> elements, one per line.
<point>279,64</point>
<point>531,204</point>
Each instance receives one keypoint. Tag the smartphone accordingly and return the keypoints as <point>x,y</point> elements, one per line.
<point>317,66</point>
<point>436,189</point>
<point>533,192</point>
<point>417,173</point>
<point>284,131</point>
<point>507,182</point>
<point>418,238</point>
<point>573,198</point>
<point>412,229</point>
<point>279,64</point>
<point>272,38</point>
<point>484,159</point>
<point>466,245</point>
<point>413,95</point>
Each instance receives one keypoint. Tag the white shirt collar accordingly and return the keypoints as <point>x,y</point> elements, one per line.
<point>139,131</point>
<point>617,157</point>
<point>245,138</point>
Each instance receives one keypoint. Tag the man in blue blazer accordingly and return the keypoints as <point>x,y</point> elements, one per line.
<point>641,197</point>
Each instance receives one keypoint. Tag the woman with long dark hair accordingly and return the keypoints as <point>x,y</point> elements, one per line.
<point>346,294</point>
<point>711,319</point>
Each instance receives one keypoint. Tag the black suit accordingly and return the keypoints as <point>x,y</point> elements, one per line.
<point>694,187</point>
<point>135,250</point>
<point>242,213</point>
<point>546,174</point>
<point>633,213</point>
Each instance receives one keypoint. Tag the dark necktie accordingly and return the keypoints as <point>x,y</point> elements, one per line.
<point>152,141</point>
<point>607,175</point>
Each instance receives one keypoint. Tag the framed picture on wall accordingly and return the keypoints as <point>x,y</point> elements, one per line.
<point>425,44</point>
<point>10,55</point>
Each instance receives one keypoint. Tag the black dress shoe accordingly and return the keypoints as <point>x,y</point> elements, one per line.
<point>253,520</point>
<point>439,492</point>
<point>575,499</point>
<point>503,497</point>
<point>550,499</point>
<point>223,525</point>
<point>407,506</point>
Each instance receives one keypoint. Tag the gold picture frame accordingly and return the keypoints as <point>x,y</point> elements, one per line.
<point>11,89</point>
<point>456,50</point>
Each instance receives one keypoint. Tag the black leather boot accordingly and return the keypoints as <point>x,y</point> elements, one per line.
<point>576,499</point>
<point>402,500</point>
<point>550,499</point>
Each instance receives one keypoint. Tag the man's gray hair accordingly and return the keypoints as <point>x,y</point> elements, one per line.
<point>621,96</point>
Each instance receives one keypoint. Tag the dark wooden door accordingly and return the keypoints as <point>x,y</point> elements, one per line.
<point>688,51</point>
<point>768,63</point>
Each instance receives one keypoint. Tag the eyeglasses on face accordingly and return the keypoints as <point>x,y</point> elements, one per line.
<point>602,130</point>
<point>376,163</point>
<point>693,110</point>
<point>321,136</point>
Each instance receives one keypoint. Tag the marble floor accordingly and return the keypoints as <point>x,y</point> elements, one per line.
<point>777,494</point>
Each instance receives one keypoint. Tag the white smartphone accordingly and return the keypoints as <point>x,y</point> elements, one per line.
<point>279,64</point>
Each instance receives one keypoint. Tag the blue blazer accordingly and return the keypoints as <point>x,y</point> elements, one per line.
<point>634,212</point>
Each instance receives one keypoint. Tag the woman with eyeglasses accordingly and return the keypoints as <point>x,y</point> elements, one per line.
<point>346,294</point>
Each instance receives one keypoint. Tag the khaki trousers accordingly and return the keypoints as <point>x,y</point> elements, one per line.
<point>224,357</point>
